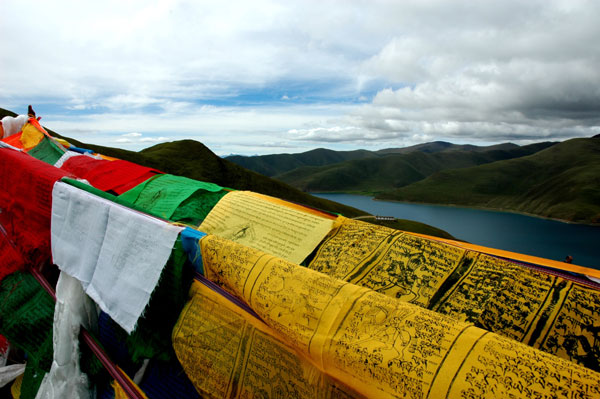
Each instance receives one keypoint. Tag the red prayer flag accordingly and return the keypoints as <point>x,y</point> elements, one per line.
<point>3,344</point>
<point>26,204</point>
<point>118,176</point>
<point>10,258</point>
<point>14,140</point>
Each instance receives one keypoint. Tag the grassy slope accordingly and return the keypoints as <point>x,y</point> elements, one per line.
<point>194,160</point>
<point>375,175</point>
<point>272,165</point>
<point>561,182</point>
<point>5,112</point>
<point>278,164</point>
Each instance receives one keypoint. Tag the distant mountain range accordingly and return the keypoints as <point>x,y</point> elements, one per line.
<point>325,164</point>
<point>550,179</point>
<point>276,164</point>
<point>375,172</point>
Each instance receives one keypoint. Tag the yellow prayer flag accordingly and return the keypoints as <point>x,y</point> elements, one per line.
<point>31,136</point>
<point>15,388</point>
<point>383,347</point>
<point>259,222</point>
<point>226,352</point>
<point>543,310</point>
<point>63,142</point>
<point>389,261</point>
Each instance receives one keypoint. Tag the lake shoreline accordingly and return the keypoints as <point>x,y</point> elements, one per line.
<point>507,230</point>
<point>461,206</point>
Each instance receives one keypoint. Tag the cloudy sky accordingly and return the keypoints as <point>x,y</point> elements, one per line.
<point>261,77</point>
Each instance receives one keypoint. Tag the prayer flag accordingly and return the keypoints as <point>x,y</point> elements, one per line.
<point>117,176</point>
<point>165,195</point>
<point>271,226</point>
<point>117,254</point>
<point>383,347</point>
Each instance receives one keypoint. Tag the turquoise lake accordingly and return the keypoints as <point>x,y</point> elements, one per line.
<point>509,231</point>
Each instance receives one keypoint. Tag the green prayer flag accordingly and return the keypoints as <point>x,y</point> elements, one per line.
<point>47,151</point>
<point>175,198</point>
<point>26,318</point>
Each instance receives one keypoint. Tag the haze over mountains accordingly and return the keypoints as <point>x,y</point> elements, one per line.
<point>558,180</point>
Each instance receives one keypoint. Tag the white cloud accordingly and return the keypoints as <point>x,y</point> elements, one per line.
<point>328,134</point>
<point>153,139</point>
<point>377,73</point>
<point>224,130</point>
<point>135,139</point>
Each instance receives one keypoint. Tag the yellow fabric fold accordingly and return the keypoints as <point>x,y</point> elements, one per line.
<point>383,347</point>
<point>542,310</point>
<point>63,142</point>
<point>31,136</point>
<point>226,352</point>
<point>120,392</point>
<point>519,257</point>
<point>264,223</point>
<point>15,388</point>
<point>292,205</point>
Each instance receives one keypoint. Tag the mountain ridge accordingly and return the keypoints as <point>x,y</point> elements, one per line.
<point>276,164</point>
<point>559,182</point>
<point>394,170</point>
<point>437,146</point>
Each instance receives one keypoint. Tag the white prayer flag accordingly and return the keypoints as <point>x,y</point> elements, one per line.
<point>117,253</point>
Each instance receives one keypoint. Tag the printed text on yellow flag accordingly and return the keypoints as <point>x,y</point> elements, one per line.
<point>383,347</point>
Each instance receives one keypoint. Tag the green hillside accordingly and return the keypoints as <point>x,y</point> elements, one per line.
<point>561,182</point>
<point>395,170</point>
<point>272,165</point>
<point>279,164</point>
<point>192,159</point>
<point>5,112</point>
